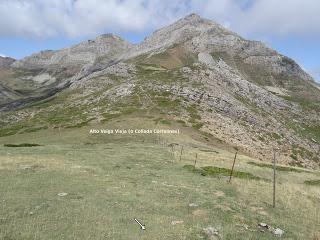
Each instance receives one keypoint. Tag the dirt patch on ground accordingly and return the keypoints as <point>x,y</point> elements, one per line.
<point>224,208</point>
<point>199,213</point>
<point>219,193</point>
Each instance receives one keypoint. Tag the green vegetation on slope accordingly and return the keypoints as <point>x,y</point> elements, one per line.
<point>220,172</point>
<point>173,58</point>
<point>305,103</point>
<point>313,182</point>
<point>22,145</point>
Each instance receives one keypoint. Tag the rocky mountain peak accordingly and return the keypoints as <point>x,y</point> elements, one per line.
<point>199,35</point>
<point>110,36</point>
<point>107,45</point>
<point>183,30</point>
<point>187,26</point>
<point>192,18</point>
<point>6,61</point>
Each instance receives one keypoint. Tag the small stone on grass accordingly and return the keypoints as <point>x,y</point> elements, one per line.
<point>211,233</point>
<point>176,222</point>
<point>62,194</point>
<point>278,232</point>
<point>193,205</point>
<point>275,231</point>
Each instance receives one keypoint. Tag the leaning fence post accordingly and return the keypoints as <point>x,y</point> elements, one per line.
<point>195,161</point>
<point>234,161</point>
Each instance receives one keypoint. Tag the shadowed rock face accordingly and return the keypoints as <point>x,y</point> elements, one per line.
<point>240,91</point>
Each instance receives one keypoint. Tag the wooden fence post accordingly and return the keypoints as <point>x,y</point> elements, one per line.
<point>234,161</point>
<point>195,161</point>
<point>274,180</point>
<point>181,153</point>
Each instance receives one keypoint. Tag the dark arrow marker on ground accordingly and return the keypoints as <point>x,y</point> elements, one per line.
<point>141,225</point>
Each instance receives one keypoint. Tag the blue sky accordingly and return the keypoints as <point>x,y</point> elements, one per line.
<point>292,27</point>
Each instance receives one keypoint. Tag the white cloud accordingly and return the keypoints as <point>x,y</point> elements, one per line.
<point>2,55</point>
<point>265,17</point>
<point>38,18</point>
<point>298,17</point>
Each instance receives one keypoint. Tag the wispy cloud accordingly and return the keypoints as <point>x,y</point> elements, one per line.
<point>74,18</point>
<point>2,55</point>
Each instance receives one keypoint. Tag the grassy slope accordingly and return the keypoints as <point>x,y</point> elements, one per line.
<point>112,179</point>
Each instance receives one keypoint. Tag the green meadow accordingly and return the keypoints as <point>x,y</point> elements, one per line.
<point>66,183</point>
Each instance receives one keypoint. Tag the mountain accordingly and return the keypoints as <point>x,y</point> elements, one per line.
<point>103,48</point>
<point>6,61</point>
<point>43,74</point>
<point>194,72</point>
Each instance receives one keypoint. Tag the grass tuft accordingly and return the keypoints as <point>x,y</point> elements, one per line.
<point>313,182</point>
<point>22,145</point>
<point>220,172</point>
